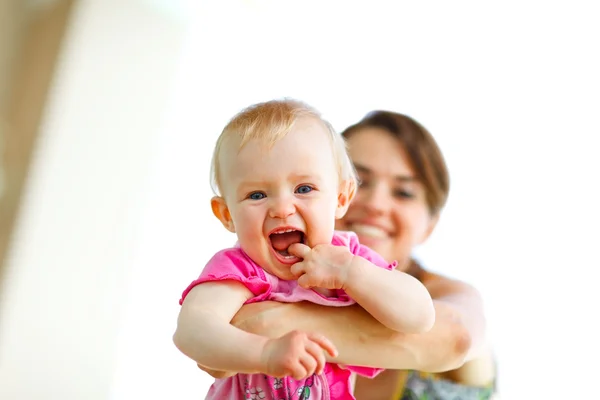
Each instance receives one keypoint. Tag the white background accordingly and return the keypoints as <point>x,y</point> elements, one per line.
<point>510,91</point>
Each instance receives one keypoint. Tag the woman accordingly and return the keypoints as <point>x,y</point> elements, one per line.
<point>404,187</point>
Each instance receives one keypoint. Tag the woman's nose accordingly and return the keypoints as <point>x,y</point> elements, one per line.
<point>375,199</point>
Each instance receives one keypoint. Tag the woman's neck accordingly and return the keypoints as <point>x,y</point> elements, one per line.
<point>413,268</point>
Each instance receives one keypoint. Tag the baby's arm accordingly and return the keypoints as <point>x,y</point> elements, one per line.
<point>204,334</point>
<point>396,299</point>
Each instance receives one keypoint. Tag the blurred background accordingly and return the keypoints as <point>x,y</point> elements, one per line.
<point>109,110</point>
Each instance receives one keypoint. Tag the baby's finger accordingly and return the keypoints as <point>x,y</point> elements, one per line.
<point>306,281</point>
<point>309,363</point>
<point>325,343</point>
<point>299,371</point>
<point>299,250</point>
<point>297,269</point>
<point>316,351</point>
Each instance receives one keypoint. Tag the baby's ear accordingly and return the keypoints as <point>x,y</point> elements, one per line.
<point>221,211</point>
<point>345,197</point>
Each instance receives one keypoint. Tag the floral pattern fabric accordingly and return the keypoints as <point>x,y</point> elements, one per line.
<point>421,386</point>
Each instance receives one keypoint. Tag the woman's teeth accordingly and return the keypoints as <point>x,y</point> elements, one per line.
<point>369,230</point>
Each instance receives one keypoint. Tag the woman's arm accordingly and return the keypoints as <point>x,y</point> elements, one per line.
<point>466,304</point>
<point>462,308</point>
<point>361,339</point>
<point>479,368</point>
<point>458,334</point>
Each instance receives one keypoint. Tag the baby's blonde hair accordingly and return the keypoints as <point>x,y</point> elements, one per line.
<point>271,121</point>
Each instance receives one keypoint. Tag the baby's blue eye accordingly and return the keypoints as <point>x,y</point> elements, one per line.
<point>304,189</point>
<point>257,196</point>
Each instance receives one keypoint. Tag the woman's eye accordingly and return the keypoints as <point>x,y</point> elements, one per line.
<point>304,189</point>
<point>257,196</point>
<point>405,194</point>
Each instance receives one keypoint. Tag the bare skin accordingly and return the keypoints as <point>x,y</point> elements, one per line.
<point>454,347</point>
<point>477,367</point>
<point>448,346</point>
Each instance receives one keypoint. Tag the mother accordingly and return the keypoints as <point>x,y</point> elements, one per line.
<point>404,186</point>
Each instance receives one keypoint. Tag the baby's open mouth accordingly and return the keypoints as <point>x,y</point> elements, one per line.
<point>280,241</point>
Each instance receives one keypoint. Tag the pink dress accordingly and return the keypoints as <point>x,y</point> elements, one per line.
<point>335,382</point>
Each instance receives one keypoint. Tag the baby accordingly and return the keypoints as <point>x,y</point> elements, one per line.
<point>282,177</point>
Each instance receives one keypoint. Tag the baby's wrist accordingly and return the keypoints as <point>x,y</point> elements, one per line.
<point>353,271</point>
<point>263,362</point>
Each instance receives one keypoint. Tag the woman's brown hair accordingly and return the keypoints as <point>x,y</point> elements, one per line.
<point>424,153</point>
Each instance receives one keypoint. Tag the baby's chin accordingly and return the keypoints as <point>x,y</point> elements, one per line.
<point>281,271</point>
<point>281,274</point>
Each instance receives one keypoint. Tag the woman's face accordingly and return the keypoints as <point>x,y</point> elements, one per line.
<point>389,213</point>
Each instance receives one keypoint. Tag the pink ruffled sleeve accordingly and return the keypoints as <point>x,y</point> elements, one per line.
<point>368,372</point>
<point>233,264</point>
<point>338,378</point>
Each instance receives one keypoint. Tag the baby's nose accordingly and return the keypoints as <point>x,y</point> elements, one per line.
<point>282,208</point>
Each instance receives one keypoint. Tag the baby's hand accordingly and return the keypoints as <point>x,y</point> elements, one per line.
<point>297,354</point>
<point>325,265</point>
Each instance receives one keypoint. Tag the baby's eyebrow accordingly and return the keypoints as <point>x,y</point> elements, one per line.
<point>250,185</point>
<point>305,177</point>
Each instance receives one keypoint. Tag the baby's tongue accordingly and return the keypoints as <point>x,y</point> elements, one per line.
<point>281,241</point>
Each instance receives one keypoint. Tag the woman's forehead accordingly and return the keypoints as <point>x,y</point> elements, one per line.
<point>376,151</point>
